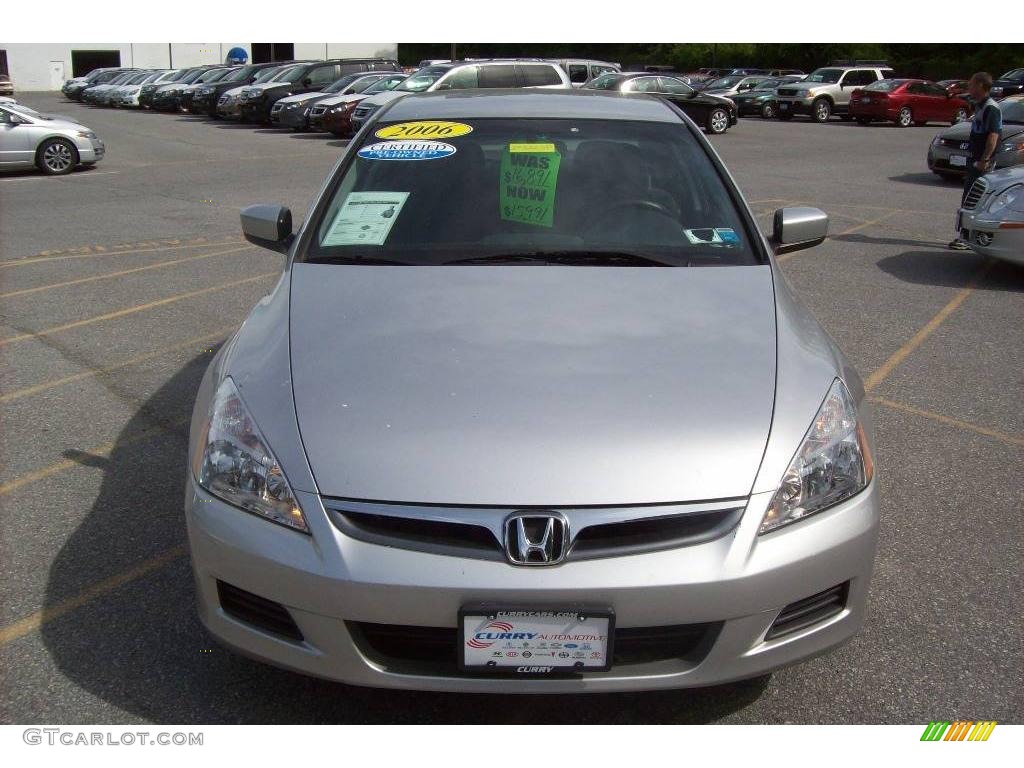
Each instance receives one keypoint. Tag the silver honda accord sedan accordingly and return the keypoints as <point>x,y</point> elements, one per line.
<point>531,409</point>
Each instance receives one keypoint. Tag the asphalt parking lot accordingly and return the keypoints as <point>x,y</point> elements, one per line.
<point>117,283</point>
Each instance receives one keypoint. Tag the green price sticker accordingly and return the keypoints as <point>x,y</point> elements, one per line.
<point>529,178</point>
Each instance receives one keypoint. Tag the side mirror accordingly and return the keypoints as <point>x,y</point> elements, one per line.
<point>268,226</point>
<point>797,228</point>
<point>307,81</point>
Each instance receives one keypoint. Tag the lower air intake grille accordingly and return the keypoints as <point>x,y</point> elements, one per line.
<point>810,610</point>
<point>258,611</point>
<point>434,650</point>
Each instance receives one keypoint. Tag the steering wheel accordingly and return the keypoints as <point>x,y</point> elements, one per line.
<point>602,214</point>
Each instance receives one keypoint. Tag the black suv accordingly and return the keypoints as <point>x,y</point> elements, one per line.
<point>257,100</point>
<point>205,99</point>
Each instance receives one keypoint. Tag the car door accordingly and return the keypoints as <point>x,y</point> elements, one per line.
<point>940,106</point>
<point>17,140</point>
<point>684,97</point>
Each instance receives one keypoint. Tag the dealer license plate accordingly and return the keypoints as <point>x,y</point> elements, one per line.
<point>960,160</point>
<point>535,641</point>
<point>866,100</point>
<point>783,105</point>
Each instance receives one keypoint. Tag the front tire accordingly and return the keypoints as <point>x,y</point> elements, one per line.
<point>821,110</point>
<point>768,111</point>
<point>904,117</point>
<point>718,121</point>
<point>56,157</point>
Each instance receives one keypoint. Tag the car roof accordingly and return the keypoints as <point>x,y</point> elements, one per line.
<point>530,103</point>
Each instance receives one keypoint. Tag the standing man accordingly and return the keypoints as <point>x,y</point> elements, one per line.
<point>985,129</point>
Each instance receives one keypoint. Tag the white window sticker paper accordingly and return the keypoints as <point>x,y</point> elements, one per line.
<point>366,218</point>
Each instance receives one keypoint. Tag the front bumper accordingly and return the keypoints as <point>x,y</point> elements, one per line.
<point>941,158</point>
<point>230,109</point>
<point>795,106</point>
<point>987,236</point>
<point>330,582</point>
<point>90,150</point>
<point>291,116</point>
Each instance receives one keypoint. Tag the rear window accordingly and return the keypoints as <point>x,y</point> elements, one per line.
<point>525,191</point>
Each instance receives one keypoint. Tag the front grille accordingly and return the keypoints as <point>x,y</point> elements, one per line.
<point>955,143</point>
<point>257,611</point>
<point>362,113</point>
<point>435,650</point>
<point>811,610</point>
<point>478,532</point>
<point>788,91</point>
<point>318,111</point>
<point>975,193</point>
<point>224,99</point>
<point>277,107</point>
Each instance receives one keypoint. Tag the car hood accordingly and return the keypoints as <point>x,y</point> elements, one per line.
<point>302,97</point>
<point>385,97</point>
<point>757,93</point>
<point>529,385</point>
<point>267,86</point>
<point>962,131</point>
<point>332,100</point>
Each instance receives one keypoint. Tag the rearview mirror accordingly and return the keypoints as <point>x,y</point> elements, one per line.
<point>797,228</point>
<point>268,226</point>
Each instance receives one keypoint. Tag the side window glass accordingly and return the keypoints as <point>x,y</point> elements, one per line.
<point>578,73</point>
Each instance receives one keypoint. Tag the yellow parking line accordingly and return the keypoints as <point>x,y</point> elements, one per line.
<point>121,273</point>
<point>100,450</point>
<point>133,310</point>
<point>949,420</point>
<point>901,354</point>
<point>37,388</point>
<point>106,251</point>
<point>35,620</point>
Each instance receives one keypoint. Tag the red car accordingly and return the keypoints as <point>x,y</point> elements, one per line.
<point>907,102</point>
<point>956,87</point>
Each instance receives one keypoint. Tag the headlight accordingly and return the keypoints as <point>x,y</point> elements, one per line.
<point>833,463</point>
<point>1011,146</point>
<point>1011,197</point>
<point>87,135</point>
<point>236,464</point>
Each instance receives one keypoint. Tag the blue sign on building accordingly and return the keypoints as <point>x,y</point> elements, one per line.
<point>237,56</point>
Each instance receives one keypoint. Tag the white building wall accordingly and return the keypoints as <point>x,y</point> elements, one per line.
<point>45,66</point>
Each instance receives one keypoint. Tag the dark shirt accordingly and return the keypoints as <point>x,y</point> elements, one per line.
<point>987,119</point>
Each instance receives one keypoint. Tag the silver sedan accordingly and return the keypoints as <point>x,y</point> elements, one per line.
<point>531,409</point>
<point>991,220</point>
<point>55,145</point>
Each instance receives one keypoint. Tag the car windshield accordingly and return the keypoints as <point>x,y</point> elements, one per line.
<point>420,81</point>
<point>212,76</point>
<point>385,84</point>
<point>606,82</point>
<point>234,75</point>
<point>725,82</point>
<point>825,76</point>
<point>343,83</point>
<point>289,74</point>
<point>1013,74</point>
<point>884,85</point>
<point>191,77</point>
<point>267,74</point>
<point>770,83</point>
<point>528,191</point>
<point>1013,111</point>
<point>152,76</point>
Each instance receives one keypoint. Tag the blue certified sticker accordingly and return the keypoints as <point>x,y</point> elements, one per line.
<point>406,150</point>
<point>728,235</point>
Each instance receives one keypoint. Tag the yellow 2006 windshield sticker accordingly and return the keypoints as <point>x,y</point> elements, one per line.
<point>529,178</point>
<point>424,129</point>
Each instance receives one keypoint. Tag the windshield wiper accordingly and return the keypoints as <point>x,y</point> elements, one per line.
<point>570,258</point>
